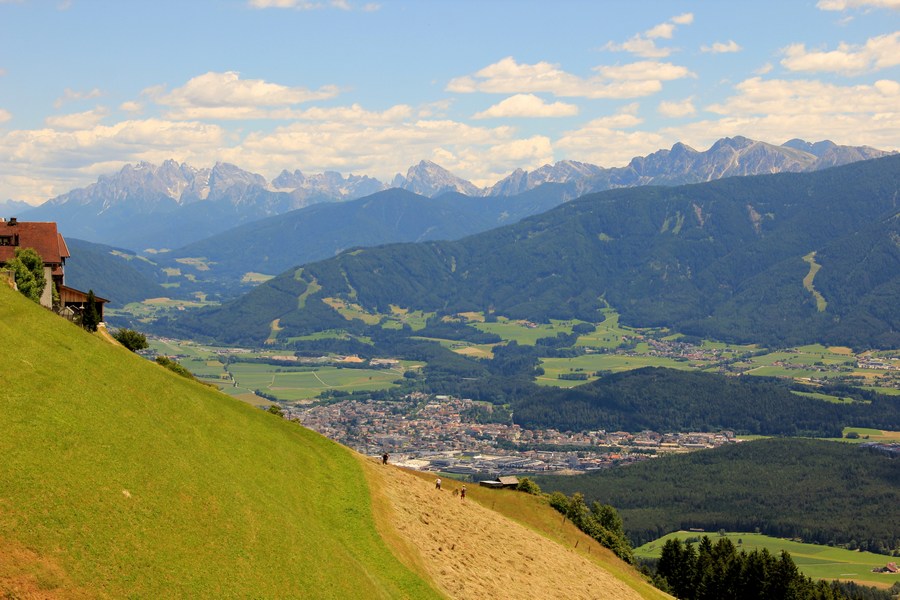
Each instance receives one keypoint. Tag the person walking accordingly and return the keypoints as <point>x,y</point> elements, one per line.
<point>437,484</point>
<point>462,493</point>
<point>384,458</point>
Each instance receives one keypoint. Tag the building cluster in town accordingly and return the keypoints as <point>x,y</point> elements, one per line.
<point>433,433</point>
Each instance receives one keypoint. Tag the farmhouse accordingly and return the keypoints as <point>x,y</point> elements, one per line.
<point>50,244</point>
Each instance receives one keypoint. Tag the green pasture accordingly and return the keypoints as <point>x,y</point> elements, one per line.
<point>523,333</point>
<point>825,397</point>
<point>153,308</point>
<point>292,384</point>
<point>138,483</point>
<point>871,435</point>
<point>818,562</point>
<point>589,363</point>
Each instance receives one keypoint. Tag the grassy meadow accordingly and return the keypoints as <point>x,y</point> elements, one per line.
<point>818,562</point>
<point>121,479</point>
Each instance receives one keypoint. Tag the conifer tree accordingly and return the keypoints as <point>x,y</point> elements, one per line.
<point>89,318</point>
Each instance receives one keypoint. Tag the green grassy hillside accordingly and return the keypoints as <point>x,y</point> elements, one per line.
<point>120,479</point>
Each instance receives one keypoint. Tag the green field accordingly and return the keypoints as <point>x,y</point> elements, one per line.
<point>286,383</point>
<point>120,479</point>
<point>524,332</point>
<point>818,562</point>
<point>294,384</point>
<point>590,363</point>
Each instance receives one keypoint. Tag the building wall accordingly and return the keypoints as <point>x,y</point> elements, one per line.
<point>47,296</point>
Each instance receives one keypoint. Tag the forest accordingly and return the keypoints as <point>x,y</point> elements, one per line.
<point>722,260</point>
<point>773,486</point>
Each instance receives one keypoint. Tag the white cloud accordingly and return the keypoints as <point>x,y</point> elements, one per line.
<point>58,160</point>
<point>777,110</point>
<point>663,30</point>
<point>722,47</point>
<point>626,81</point>
<point>311,5</point>
<point>83,120</point>
<point>879,52</point>
<point>70,95</point>
<point>606,141</point>
<point>131,107</point>
<point>227,96</point>
<point>757,96</point>
<point>847,4</point>
<point>643,44</point>
<point>527,105</point>
<point>5,115</point>
<point>683,108</point>
<point>645,70</point>
<point>435,109</point>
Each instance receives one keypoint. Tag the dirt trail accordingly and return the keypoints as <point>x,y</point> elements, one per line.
<point>470,551</point>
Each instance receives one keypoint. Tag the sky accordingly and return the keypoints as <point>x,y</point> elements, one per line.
<point>479,87</point>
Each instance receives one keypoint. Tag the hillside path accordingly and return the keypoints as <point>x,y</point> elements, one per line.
<point>470,551</point>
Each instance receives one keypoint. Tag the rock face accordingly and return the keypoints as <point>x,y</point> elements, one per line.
<point>172,204</point>
<point>430,179</point>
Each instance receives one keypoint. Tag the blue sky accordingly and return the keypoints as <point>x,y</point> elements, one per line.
<point>372,87</point>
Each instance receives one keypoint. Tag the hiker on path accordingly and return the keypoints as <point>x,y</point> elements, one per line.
<point>384,458</point>
<point>437,484</point>
<point>462,493</point>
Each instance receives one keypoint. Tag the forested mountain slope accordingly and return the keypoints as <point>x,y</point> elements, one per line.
<point>730,259</point>
<point>823,492</point>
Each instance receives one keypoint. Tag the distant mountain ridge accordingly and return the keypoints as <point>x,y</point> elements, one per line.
<point>171,205</point>
<point>729,259</point>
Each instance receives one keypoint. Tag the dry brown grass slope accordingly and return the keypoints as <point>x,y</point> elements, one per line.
<point>496,544</point>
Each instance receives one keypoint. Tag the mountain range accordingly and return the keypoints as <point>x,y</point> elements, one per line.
<point>171,205</point>
<point>778,259</point>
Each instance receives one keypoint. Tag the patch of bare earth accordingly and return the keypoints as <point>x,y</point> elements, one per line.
<point>25,575</point>
<point>470,551</point>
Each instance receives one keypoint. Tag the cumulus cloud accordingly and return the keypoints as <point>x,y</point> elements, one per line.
<point>878,53</point>
<point>608,141</point>
<point>682,108</point>
<point>527,105</point>
<point>131,107</point>
<point>227,96</point>
<point>722,47</point>
<point>776,109</point>
<point>70,95</point>
<point>644,44</point>
<point>83,120</point>
<point>5,115</point>
<point>847,4</point>
<point>310,5</point>
<point>626,81</point>
<point>57,160</point>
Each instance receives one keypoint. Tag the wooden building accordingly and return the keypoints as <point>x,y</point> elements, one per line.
<point>44,238</point>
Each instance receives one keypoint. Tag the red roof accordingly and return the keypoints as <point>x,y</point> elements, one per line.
<point>43,237</point>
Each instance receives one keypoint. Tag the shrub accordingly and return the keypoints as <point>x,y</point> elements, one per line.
<point>131,339</point>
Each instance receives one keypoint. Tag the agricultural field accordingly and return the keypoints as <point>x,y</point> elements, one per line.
<point>155,308</point>
<point>285,383</point>
<point>524,332</point>
<point>290,384</point>
<point>590,363</point>
<point>818,562</point>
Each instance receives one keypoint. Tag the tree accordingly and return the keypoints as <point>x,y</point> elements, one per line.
<point>131,339</point>
<point>28,270</point>
<point>89,318</point>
